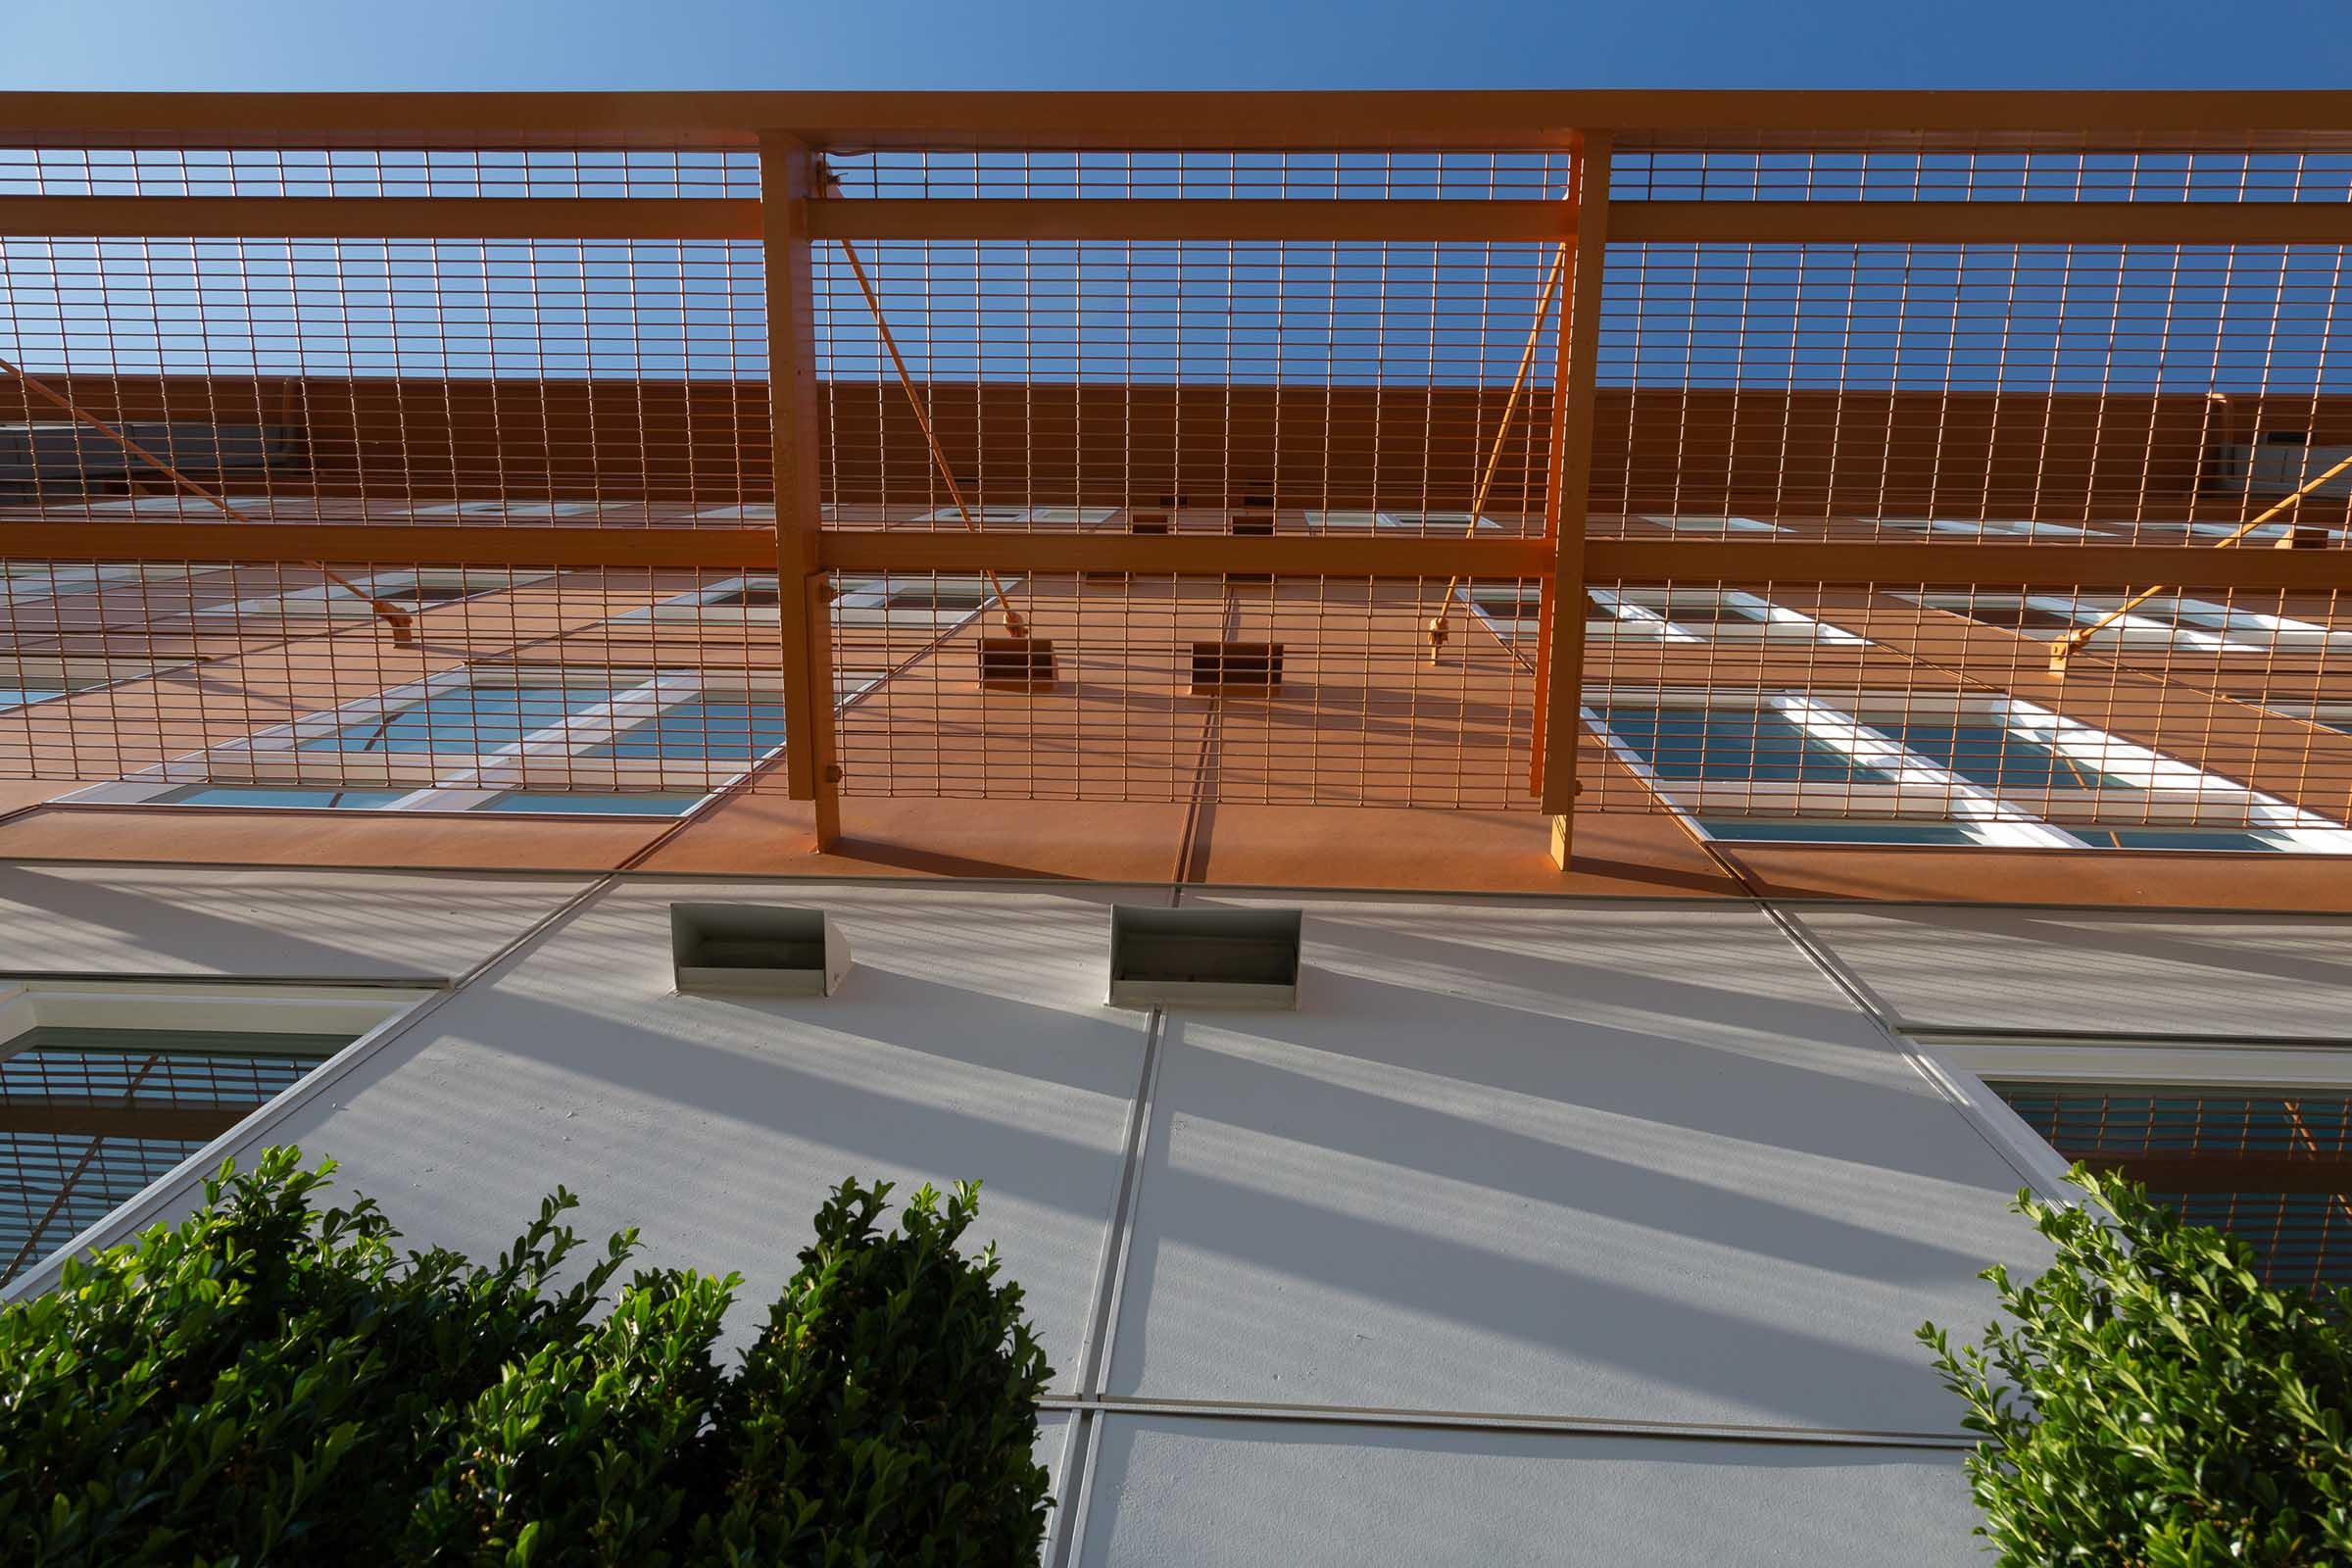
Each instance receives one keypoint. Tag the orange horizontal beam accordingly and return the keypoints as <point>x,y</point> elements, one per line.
<point>1476,120</point>
<point>1205,217</point>
<point>1941,223</point>
<point>556,217</point>
<point>1297,555</point>
<point>908,549</point>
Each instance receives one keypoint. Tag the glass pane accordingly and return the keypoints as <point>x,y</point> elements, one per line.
<point>1751,829</point>
<point>469,720</point>
<point>734,733</point>
<point>2016,617</point>
<point>264,795</point>
<point>1730,744</point>
<point>1990,754</point>
<point>58,1182</point>
<point>747,599</point>
<point>2168,838</point>
<point>923,596</point>
<point>2299,1237</point>
<point>20,696</point>
<point>589,800</point>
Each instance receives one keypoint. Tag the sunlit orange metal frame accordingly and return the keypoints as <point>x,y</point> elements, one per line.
<point>791,130</point>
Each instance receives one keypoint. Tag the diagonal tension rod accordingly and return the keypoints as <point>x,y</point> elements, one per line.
<point>399,622</point>
<point>1437,623</point>
<point>1014,624</point>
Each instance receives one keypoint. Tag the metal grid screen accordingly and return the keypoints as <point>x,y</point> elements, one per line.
<point>1757,396</point>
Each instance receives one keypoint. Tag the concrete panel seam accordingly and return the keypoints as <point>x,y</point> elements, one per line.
<point>1485,1421</point>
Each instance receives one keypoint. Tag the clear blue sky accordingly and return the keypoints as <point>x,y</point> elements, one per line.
<point>279,44</point>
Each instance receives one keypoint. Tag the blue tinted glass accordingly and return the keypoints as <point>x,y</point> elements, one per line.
<point>731,732</point>
<point>2166,838</point>
<point>1999,759</point>
<point>19,695</point>
<point>468,719</point>
<point>1775,829</point>
<point>260,794</point>
<point>589,800</point>
<point>1730,744</point>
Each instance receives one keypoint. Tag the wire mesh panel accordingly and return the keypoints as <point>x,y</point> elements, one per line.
<point>1336,393</point>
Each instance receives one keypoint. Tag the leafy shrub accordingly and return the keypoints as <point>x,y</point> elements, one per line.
<point>272,1381</point>
<point>2152,1402</point>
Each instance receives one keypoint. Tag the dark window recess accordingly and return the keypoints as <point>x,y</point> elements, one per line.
<point>1016,663</point>
<point>1147,522</point>
<point>2273,1168</point>
<point>924,596</point>
<point>1246,958</point>
<point>1244,667</point>
<point>758,949</point>
<point>2287,438</point>
<point>426,594</point>
<point>2017,618</point>
<point>90,1116</point>
<point>747,599</point>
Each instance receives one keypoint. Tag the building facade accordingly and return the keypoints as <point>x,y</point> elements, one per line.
<point>440,537</point>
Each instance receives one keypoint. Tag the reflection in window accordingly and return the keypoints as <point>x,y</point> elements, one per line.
<point>1988,752</point>
<point>1738,744</point>
<point>467,718</point>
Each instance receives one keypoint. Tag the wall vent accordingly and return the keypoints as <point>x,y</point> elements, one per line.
<point>1016,663</point>
<point>767,950</point>
<point>1203,958</point>
<point>1243,669</point>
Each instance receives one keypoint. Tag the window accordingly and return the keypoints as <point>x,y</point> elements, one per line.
<point>104,1091</point>
<point>1985,751</point>
<point>32,582</point>
<point>1989,528</point>
<point>32,680</point>
<point>1068,516</point>
<point>1710,742</point>
<point>254,795</point>
<point>2270,1167</point>
<point>1416,523</point>
<point>539,510</point>
<point>2166,620</point>
<point>2336,717</point>
<point>1718,525</point>
<point>1699,614</point>
<point>921,602</point>
<point>1994,769</point>
<point>412,590</point>
<point>1798,830</point>
<point>502,739</point>
<point>914,602</point>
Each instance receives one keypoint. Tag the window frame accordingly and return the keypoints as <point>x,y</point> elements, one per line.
<point>332,602</point>
<point>2176,793</point>
<point>437,781</point>
<point>369,1013</point>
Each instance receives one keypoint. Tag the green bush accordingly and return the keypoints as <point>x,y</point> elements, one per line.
<point>2153,1403</point>
<point>272,1381</point>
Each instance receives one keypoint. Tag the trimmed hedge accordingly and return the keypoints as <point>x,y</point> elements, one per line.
<point>272,1381</point>
<point>2153,1403</point>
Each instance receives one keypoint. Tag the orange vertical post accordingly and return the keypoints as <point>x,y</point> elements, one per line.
<point>1567,493</point>
<point>788,183</point>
